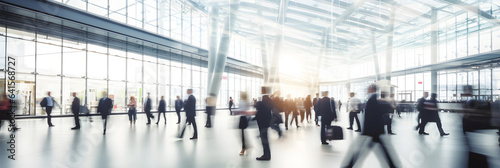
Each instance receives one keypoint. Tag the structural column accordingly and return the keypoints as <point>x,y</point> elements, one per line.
<point>390,38</point>
<point>434,29</point>
<point>375,58</point>
<point>212,54</point>
<point>274,70</point>
<point>220,61</point>
<point>265,62</point>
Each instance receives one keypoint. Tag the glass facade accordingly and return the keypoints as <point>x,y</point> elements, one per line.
<point>63,65</point>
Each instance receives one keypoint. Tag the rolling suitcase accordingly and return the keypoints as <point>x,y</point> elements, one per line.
<point>334,133</point>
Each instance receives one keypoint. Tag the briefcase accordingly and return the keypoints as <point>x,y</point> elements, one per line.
<point>334,133</point>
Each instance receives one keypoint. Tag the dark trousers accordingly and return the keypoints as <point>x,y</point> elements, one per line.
<point>132,113</point>
<point>438,124</point>
<point>148,115</point>
<point>77,121</point>
<point>324,125</point>
<point>308,114</point>
<point>286,118</point>
<point>193,122</point>
<point>48,110</point>
<point>316,116</point>
<point>295,116</point>
<point>178,111</point>
<point>352,116</point>
<point>388,122</point>
<point>302,115</point>
<point>265,142</point>
<point>209,111</point>
<point>243,144</point>
<point>105,120</point>
<point>164,117</point>
<point>230,109</point>
<point>352,160</point>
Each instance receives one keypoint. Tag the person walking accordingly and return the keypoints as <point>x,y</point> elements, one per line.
<point>162,108</point>
<point>75,108</point>
<point>353,110</point>
<point>49,102</point>
<point>132,111</point>
<point>190,108</point>
<point>104,108</point>
<point>147,108</point>
<point>179,104</point>
<point>263,117</point>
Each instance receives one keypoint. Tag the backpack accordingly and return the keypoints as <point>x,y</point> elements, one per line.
<point>44,102</point>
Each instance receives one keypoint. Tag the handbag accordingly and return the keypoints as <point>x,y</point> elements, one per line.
<point>243,122</point>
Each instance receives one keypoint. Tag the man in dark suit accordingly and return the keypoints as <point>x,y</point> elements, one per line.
<point>162,108</point>
<point>49,102</point>
<point>327,108</point>
<point>421,111</point>
<point>316,113</point>
<point>147,109</point>
<point>190,108</point>
<point>290,106</point>
<point>373,127</point>
<point>75,108</point>
<point>179,104</point>
<point>263,118</point>
<point>231,104</point>
<point>104,108</point>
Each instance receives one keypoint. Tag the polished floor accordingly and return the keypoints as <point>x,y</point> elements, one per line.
<point>142,145</point>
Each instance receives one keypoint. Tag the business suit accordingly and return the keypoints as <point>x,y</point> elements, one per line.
<point>162,108</point>
<point>327,108</point>
<point>190,108</point>
<point>178,106</point>
<point>431,115</point>
<point>263,117</point>
<point>290,107</point>
<point>316,113</point>
<point>104,108</point>
<point>307,106</point>
<point>147,109</point>
<point>421,110</point>
<point>75,108</point>
<point>373,127</point>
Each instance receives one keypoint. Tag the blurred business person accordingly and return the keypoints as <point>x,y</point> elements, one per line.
<point>75,108</point>
<point>231,104</point>
<point>353,110</point>
<point>49,102</point>
<point>162,108</point>
<point>147,109</point>
<point>132,111</point>
<point>307,105</point>
<point>190,108</point>
<point>326,107</point>
<point>373,127</point>
<point>263,117</point>
<point>179,104</point>
<point>388,110</point>
<point>211,101</point>
<point>104,108</point>
<point>316,113</point>
<point>421,110</point>
<point>431,115</point>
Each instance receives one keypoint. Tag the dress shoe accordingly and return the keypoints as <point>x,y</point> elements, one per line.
<point>350,128</point>
<point>75,128</point>
<point>417,127</point>
<point>193,138</point>
<point>148,123</point>
<point>242,152</point>
<point>423,133</point>
<point>156,123</point>
<point>392,133</point>
<point>358,130</point>
<point>445,134</point>
<point>325,143</point>
<point>177,123</point>
<point>263,158</point>
<point>52,125</point>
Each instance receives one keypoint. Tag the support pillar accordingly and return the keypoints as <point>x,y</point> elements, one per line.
<point>220,62</point>
<point>274,70</point>
<point>375,57</point>
<point>390,38</point>
<point>434,28</point>
<point>212,53</point>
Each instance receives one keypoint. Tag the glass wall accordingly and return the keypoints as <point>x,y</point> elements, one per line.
<point>62,65</point>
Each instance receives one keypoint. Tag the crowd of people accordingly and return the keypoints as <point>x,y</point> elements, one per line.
<point>377,111</point>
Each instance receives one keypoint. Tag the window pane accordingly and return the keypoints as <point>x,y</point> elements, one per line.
<point>98,65</point>
<point>74,62</point>
<point>116,68</point>
<point>117,93</point>
<point>95,88</point>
